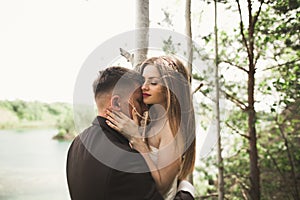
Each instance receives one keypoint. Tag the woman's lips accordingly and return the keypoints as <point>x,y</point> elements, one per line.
<point>146,95</point>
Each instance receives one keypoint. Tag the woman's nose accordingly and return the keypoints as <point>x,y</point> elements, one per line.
<point>145,86</point>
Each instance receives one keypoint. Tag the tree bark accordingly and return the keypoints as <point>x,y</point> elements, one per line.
<point>219,147</point>
<point>254,169</point>
<point>248,42</point>
<point>188,28</point>
<point>142,37</point>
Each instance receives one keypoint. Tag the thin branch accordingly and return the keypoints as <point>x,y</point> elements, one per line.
<point>234,129</point>
<point>254,22</point>
<point>239,103</point>
<point>206,96</point>
<point>258,12</point>
<point>198,88</point>
<point>256,59</point>
<point>280,65</point>
<point>242,27</point>
<point>234,155</point>
<point>275,164</point>
<point>245,188</point>
<point>234,65</point>
<point>244,195</point>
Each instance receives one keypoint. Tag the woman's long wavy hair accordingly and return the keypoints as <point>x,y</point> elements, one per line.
<point>180,111</point>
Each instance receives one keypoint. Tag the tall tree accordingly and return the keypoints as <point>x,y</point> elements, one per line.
<point>248,42</point>
<point>142,37</point>
<point>221,192</point>
<point>188,29</point>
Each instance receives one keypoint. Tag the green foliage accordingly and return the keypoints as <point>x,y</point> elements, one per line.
<point>169,47</point>
<point>205,173</point>
<point>279,173</point>
<point>66,125</point>
<point>277,85</point>
<point>277,50</point>
<point>22,114</point>
<point>167,21</point>
<point>282,151</point>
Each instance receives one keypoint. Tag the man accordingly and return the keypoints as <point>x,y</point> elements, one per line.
<point>101,164</point>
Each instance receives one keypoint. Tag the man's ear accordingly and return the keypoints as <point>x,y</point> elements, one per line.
<point>115,102</point>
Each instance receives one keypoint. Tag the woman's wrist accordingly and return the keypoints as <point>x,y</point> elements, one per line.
<point>141,147</point>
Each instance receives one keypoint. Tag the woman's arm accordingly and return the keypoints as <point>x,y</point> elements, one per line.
<point>167,166</point>
<point>169,159</point>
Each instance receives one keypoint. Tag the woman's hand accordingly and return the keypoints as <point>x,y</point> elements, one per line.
<point>123,124</point>
<point>128,128</point>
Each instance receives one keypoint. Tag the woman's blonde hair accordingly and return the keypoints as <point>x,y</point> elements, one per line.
<point>180,111</point>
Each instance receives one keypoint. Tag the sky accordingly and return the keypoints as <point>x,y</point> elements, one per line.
<point>44,43</point>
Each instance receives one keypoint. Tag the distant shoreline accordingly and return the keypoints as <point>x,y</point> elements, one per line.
<point>21,114</point>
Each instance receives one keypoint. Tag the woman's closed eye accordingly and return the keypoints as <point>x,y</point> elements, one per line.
<point>153,81</point>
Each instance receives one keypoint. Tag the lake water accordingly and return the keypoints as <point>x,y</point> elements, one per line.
<point>32,166</point>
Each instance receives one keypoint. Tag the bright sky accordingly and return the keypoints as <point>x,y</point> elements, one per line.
<point>43,44</point>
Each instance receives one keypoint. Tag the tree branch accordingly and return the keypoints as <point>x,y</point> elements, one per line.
<point>239,103</point>
<point>234,155</point>
<point>258,12</point>
<point>279,65</point>
<point>234,65</point>
<point>198,88</point>
<point>234,129</point>
<point>275,163</point>
<point>245,188</point>
<point>242,27</point>
<point>256,59</point>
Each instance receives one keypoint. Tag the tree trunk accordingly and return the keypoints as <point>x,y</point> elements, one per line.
<point>188,28</point>
<point>254,170</point>
<point>219,147</point>
<point>254,191</point>
<point>142,37</point>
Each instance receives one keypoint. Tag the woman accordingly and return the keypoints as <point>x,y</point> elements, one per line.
<point>168,141</point>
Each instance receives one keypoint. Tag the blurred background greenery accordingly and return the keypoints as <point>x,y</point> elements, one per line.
<point>21,114</point>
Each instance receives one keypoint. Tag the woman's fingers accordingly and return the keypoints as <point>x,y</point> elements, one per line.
<point>112,120</point>
<point>109,123</point>
<point>123,116</point>
<point>113,114</point>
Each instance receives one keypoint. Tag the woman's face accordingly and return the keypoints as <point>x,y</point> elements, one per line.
<point>152,88</point>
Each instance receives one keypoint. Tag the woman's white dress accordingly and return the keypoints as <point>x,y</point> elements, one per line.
<point>170,194</point>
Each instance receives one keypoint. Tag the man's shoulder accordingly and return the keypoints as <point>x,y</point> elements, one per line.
<point>89,132</point>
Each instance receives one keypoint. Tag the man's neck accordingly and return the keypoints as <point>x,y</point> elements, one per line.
<point>102,114</point>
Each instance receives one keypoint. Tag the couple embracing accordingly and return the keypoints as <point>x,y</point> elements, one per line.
<point>142,143</point>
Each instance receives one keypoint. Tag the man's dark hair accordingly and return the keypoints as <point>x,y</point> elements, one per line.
<point>110,77</point>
